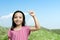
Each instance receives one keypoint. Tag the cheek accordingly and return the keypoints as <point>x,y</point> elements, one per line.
<point>15,20</point>
<point>21,20</point>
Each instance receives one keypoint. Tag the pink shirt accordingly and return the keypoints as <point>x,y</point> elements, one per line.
<point>21,34</point>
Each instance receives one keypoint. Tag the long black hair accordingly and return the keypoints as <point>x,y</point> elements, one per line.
<point>13,23</point>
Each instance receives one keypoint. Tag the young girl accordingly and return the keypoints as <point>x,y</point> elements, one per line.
<point>19,31</point>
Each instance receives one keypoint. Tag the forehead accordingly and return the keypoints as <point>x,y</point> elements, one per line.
<point>18,14</point>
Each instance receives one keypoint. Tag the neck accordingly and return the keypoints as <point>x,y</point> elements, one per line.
<point>19,26</point>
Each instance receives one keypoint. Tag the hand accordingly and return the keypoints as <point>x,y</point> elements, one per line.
<point>32,13</point>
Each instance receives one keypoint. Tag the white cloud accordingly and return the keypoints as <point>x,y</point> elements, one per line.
<point>6,16</point>
<point>9,15</point>
<point>30,21</point>
<point>26,13</point>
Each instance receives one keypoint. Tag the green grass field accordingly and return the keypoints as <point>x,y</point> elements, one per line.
<point>42,34</point>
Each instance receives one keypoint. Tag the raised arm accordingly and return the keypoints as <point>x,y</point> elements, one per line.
<point>37,25</point>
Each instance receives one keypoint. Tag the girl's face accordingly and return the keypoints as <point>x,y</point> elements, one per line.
<point>18,18</point>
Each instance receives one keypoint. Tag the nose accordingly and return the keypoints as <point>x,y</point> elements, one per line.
<point>18,18</point>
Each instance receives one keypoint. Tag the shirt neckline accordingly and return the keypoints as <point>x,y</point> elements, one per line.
<point>19,29</point>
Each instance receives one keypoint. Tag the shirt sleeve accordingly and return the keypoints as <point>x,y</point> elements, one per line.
<point>28,30</point>
<point>9,34</point>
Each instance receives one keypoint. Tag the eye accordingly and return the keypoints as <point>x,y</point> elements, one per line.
<point>20,17</point>
<point>15,17</point>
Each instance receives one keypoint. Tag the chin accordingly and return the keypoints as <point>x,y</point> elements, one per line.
<point>17,23</point>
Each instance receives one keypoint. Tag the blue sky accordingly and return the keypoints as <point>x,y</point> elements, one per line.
<point>47,11</point>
